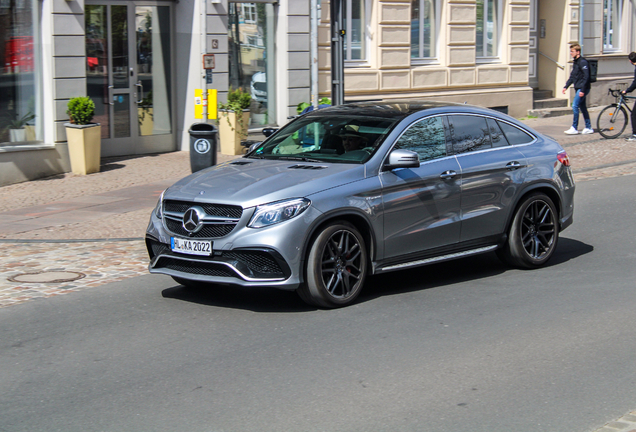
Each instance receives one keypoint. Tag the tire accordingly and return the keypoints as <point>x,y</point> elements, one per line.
<point>534,233</point>
<point>611,122</point>
<point>336,267</point>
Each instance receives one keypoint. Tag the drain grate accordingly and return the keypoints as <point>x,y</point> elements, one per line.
<point>47,277</point>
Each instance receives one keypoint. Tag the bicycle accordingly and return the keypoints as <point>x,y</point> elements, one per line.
<point>613,119</point>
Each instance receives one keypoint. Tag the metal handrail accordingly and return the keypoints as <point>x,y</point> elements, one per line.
<point>553,60</point>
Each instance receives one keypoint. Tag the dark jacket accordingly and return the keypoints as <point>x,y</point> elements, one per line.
<point>580,75</point>
<point>632,87</point>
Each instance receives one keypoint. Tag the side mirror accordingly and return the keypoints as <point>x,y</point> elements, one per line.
<point>402,159</point>
<point>254,146</point>
<point>269,131</point>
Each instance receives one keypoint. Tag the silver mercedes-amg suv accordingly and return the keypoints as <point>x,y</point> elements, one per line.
<point>344,192</point>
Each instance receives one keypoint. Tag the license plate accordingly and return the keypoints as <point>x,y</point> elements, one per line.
<point>191,247</point>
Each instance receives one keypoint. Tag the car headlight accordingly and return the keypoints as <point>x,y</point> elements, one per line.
<point>159,208</point>
<point>273,213</point>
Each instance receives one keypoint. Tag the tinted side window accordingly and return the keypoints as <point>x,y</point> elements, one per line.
<point>426,138</point>
<point>514,134</point>
<point>470,133</point>
<point>496,135</point>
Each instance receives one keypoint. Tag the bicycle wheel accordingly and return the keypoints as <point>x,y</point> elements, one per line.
<point>611,122</point>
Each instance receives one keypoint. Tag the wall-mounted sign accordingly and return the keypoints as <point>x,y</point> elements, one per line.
<point>208,61</point>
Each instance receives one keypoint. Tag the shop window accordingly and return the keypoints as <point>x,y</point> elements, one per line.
<point>20,79</point>
<point>611,25</point>
<point>488,27</point>
<point>424,28</point>
<point>251,57</point>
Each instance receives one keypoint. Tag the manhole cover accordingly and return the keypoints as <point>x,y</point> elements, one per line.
<point>47,277</point>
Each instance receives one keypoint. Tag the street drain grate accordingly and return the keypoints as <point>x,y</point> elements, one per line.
<point>47,277</point>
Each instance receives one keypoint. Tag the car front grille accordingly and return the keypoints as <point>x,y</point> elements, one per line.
<point>207,231</point>
<point>228,216</point>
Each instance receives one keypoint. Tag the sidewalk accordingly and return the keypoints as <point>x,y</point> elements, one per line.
<point>57,229</point>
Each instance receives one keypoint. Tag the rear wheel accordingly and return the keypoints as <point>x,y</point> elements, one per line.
<point>336,267</point>
<point>611,122</point>
<point>534,233</point>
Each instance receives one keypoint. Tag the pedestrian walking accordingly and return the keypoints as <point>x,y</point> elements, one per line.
<point>580,77</point>
<point>631,88</point>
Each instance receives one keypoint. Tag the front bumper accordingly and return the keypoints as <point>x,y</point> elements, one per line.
<point>270,256</point>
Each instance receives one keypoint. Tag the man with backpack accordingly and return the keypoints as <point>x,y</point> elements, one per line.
<point>580,77</point>
<point>632,59</point>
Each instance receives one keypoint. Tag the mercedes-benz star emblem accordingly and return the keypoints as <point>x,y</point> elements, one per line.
<point>192,219</point>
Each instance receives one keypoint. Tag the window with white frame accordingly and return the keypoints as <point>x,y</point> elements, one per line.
<point>488,25</point>
<point>611,24</point>
<point>424,25</point>
<point>355,34</point>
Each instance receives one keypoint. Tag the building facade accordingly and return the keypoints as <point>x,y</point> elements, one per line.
<point>142,62</point>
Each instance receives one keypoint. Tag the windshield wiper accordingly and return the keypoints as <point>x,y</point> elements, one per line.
<point>298,158</point>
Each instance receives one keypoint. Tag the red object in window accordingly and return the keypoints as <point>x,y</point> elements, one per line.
<point>92,62</point>
<point>18,53</point>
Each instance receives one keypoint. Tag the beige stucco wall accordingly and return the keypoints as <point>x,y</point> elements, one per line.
<point>454,75</point>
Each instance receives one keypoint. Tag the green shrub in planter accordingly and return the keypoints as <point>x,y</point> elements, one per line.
<point>81,110</point>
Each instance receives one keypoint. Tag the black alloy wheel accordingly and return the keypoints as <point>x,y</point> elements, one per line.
<point>336,267</point>
<point>534,233</point>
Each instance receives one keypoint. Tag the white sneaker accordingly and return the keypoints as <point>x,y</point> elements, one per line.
<point>571,131</point>
<point>587,131</point>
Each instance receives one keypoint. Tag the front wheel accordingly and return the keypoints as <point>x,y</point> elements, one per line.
<point>534,233</point>
<point>336,267</point>
<point>611,122</point>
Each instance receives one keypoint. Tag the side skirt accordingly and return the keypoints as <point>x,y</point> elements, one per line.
<point>439,255</point>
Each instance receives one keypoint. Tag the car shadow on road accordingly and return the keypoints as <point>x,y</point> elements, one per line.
<point>458,271</point>
<point>258,299</point>
<point>268,300</point>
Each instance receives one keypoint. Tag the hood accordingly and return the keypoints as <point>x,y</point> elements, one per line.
<point>250,182</point>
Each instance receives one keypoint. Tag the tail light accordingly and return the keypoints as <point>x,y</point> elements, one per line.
<point>563,158</point>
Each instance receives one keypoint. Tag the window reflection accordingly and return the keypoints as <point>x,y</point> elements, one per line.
<point>426,138</point>
<point>251,40</point>
<point>470,133</point>
<point>19,77</point>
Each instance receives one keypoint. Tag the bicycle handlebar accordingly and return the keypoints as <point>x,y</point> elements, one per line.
<point>619,93</point>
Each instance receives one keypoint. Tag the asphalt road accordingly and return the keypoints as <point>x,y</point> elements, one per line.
<point>465,345</point>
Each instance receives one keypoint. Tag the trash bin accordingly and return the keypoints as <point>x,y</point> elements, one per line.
<point>203,145</point>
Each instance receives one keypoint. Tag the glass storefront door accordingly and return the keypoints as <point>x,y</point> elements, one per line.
<point>129,75</point>
<point>251,57</point>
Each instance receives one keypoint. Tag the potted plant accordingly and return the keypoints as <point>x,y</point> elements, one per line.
<point>16,125</point>
<point>84,138</point>
<point>233,121</point>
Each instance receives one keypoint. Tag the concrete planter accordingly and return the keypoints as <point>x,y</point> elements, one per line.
<point>84,147</point>
<point>230,133</point>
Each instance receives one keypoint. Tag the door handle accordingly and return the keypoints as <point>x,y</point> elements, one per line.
<point>110,95</point>
<point>141,91</point>
<point>448,175</point>
<point>513,165</point>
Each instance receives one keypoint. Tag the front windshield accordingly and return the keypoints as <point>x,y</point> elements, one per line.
<point>327,138</point>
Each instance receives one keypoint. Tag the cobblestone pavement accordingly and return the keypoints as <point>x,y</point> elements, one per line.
<point>627,423</point>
